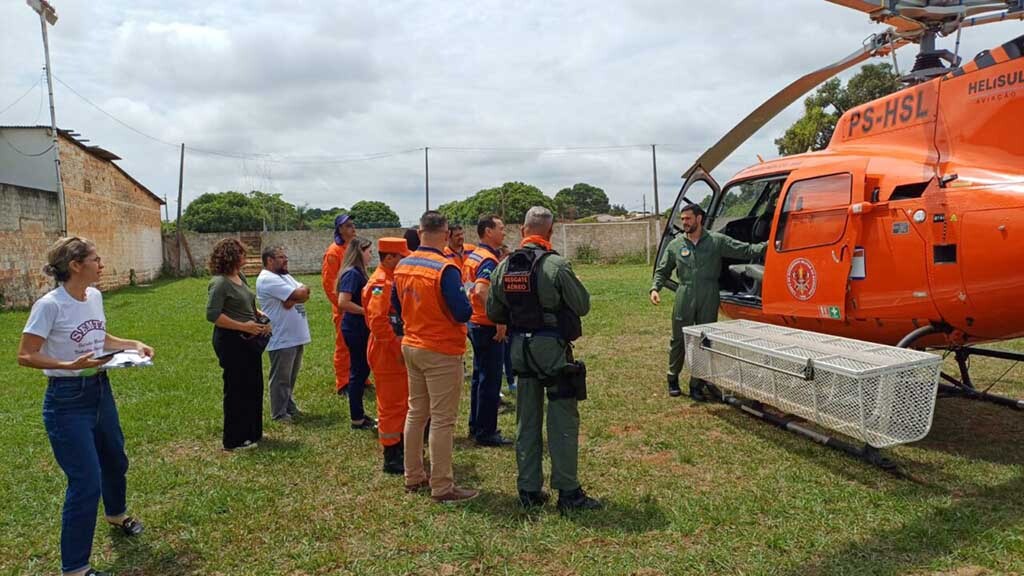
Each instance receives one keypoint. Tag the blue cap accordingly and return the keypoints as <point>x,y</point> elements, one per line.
<point>339,220</point>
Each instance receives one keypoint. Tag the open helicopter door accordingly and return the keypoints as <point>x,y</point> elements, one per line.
<point>698,188</point>
<point>811,249</point>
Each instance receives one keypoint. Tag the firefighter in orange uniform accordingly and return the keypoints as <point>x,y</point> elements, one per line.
<point>344,231</point>
<point>456,248</point>
<point>384,353</point>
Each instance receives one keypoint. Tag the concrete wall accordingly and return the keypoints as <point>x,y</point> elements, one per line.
<point>29,224</point>
<point>608,242</point>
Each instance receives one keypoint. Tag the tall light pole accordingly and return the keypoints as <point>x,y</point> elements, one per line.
<point>47,14</point>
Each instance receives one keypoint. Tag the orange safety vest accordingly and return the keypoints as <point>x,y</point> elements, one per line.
<point>429,324</point>
<point>329,270</point>
<point>457,259</point>
<point>482,254</point>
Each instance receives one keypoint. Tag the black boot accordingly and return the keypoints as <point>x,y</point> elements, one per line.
<point>533,499</point>
<point>572,500</point>
<point>711,392</point>
<point>673,385</point>
<point>697,391</point>
<point>394,459</point>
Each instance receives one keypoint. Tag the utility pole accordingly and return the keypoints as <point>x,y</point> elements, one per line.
<point>47,14</point>
<point>657,207</point>
<point>167,215</point>
<point>426,173</point>
<point>177,223</point>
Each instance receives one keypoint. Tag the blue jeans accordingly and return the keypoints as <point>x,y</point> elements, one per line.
<point>359,371</point>
<point>510,377</point>
<point>488,362</point>
<point>85,434</point>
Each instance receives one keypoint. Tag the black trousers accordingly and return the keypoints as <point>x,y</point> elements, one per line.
<point>243,388</point>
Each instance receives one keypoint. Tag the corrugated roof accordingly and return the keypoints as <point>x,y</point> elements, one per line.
<point>94,151</point>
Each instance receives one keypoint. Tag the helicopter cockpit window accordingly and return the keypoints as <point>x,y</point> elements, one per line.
<point>699,192</point>
<point>814,213</point>
<point>746,209</point>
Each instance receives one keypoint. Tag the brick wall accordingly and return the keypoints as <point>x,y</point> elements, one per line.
<point>29,224</point>
<point>106,207</point>
<point>306,247</point>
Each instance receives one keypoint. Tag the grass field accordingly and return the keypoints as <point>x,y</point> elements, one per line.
<point>689,489</point>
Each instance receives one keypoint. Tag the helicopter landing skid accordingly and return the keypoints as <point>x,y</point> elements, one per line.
<point>964,388</point>
<point>790,423</point>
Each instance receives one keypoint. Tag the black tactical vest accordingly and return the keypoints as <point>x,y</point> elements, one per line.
<point>520,283</point>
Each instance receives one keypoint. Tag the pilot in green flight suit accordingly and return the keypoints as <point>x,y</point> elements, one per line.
<point>696,257</point>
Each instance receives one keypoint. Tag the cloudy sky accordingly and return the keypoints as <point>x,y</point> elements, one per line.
<point>328,103</point>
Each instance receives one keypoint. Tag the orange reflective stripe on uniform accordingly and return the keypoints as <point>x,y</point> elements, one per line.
<point>469,277</point>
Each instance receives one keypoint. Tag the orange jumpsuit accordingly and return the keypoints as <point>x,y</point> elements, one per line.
<point>384,354</point>
<point>329,279</point>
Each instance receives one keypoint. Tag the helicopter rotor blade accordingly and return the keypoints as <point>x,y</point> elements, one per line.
<point>1007,16</point>
<point>879,13</point>
<point>875,45</point>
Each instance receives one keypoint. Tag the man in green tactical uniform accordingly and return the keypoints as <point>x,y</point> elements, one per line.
<point>536,294</point>
<point>696,257</point>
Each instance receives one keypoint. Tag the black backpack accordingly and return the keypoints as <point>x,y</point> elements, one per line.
<point>520,284</point>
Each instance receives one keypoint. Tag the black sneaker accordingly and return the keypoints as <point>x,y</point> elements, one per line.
<point>366,424</point>
<point>573,500</point>
<point>94,572</point>
<point>533,499</point>
<point>493,440</point>
<point>130,526</point>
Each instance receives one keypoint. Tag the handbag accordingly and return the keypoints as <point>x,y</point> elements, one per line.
<point>257,342</point>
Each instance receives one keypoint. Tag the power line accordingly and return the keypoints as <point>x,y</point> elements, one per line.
<point>112,117</point>
<point>20,98</point>
<point>22,152</point>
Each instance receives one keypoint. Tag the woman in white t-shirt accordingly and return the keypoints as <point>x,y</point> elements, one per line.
<point>65,335</point>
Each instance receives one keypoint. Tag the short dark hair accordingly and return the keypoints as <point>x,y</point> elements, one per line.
<point>454,228</point>
<point>486,222</point>
<point>270,252</point>
<point>695,208</point>
<point>433,221</point>
<point>412,238</point>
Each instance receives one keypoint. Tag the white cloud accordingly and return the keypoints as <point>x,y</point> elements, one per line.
<point>348,78</point>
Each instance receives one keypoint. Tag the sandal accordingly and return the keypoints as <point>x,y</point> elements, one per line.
<point>130,526</point>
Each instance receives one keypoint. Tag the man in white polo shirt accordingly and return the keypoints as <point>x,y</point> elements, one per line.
<point>282,299</point>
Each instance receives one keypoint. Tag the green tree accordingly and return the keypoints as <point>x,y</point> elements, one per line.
<point>510,201</point>
<point>222,212</point>
<point>323,218</point>
<point>278,214</point>
<point>580,201</point>
<point>823,109</point>
<point>374,214</point>
<point>618,210</point>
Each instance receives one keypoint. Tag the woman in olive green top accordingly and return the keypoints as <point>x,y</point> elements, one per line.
<point>232,309</point>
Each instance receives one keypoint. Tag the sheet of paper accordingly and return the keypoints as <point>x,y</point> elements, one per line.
<point>128,359</point>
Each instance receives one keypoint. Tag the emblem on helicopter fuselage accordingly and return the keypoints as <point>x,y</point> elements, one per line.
<point>801,279</point>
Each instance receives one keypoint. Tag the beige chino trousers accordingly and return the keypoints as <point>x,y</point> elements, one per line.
<point>435,383</point>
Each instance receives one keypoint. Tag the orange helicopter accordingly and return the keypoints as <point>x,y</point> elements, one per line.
<point>908,229</point>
